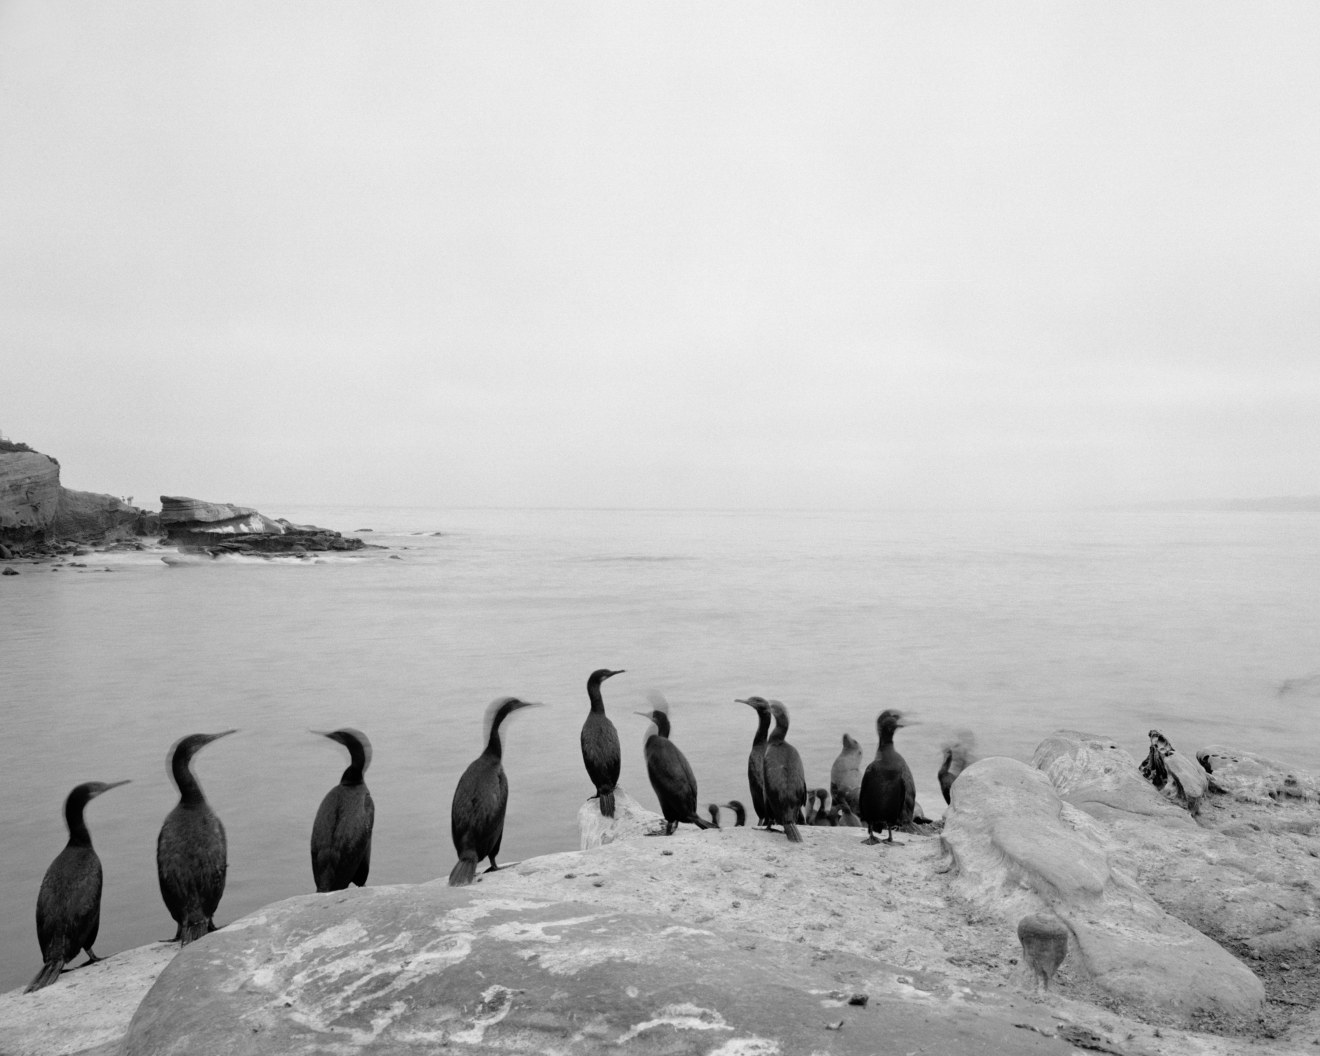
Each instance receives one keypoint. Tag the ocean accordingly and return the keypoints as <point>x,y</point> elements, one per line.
<point>1010,625</point>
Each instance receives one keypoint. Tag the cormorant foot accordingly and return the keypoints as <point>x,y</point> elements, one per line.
<point>91,959</point>
<point>871,840</point>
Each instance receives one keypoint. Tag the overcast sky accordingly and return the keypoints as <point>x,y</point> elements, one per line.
<point>673,254</point>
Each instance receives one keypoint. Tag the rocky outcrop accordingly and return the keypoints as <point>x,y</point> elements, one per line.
<point>220,528</point>
<point>1018,848</point>
<point>37,511</point>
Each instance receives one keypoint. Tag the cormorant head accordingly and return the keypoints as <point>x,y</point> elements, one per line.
<point>600,675</point>
<point>780,713</point>
<point>88,791</point>
<point>349,738</point>
<point>890,720</point>
<point>186,747</point>
<point>500,709</point>
<point>759,703</point>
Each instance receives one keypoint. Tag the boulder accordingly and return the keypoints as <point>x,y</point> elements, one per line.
<point>29,494</point>
<point>417,969</point>
<point>1101,778</point>
<point>1253,778</point>
<point>1018,848</point>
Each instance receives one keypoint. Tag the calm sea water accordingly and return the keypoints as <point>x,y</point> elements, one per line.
<point>1202,624</point>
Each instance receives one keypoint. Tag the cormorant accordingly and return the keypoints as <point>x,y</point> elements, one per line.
<point>671,776</point>
<point>476,817</point>
<point>888,795</point>
<point>69,902</point>
<point>739,812</point>
<point>600,744</point>
<point>957,758</point>
<point>785,786</point>
<point>821,813</point>
<point>191,852</point>
<point>756,757</point>
<point>846,775</point>
<point>341,833</point>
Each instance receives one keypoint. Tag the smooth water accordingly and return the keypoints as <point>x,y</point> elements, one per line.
<point>1202,624</point>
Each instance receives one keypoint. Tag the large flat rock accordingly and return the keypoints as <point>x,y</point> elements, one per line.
<point>1101,778</point>
<point>413,969</point>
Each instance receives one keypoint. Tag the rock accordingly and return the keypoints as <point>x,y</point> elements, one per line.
<point>1164,763</point>
<point>35,509</point>
<point>1101,778</point>
<point>630,820</point>
<point>1018,848</point>
<point>417,969</point>
<point>1044,941</point>
<point>87,1010</point>
<point>10,572</point>
<point>1255,779</point>
<point>219,528</point>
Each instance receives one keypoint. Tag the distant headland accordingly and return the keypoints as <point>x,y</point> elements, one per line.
<point>40,518</point>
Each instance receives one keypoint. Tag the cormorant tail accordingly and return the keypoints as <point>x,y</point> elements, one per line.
<point>791,831</point>
<point>192,930</point>
<point>463,873</point>
<point>607,804</point>
<point>701,822</point>
<point>50,971</point>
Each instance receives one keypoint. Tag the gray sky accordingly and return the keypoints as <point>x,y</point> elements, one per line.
<point>673,254</point>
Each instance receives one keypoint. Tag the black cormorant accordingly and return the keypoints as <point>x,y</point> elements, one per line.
<point>957,758</point>
<point>476,817</point>
<point>671,775</point>
<point>191,852</point>
<point>888,795</point>
<point>600,744</point>
<point>846,775</point>
<point>341,834</point>
<point>785,785</point>
<point>756,757</point>
<point>739,812</point>
<point>69,902</point>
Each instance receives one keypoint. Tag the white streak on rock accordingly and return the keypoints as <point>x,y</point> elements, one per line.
<point>680,1017</point>
<point>496,1001</point>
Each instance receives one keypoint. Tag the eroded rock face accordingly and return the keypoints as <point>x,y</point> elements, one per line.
<point>217,528</point>
<point>630,820</point>
<point>36,509</point>
<point>1256,779</point>
<point>415,969</point>
<point>1018,849</point>
<point>1101,778</point>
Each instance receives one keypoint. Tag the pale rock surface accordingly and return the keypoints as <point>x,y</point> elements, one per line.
<point>1018,849</point>
<point>29,490</point>
<point>86,1011</point>
<point>630,820</point>
<point>1103,779</point>
<point>1256,779</point>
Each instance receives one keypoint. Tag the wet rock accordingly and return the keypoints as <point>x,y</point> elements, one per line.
<point>1018,848</point>
<point>221,528</point>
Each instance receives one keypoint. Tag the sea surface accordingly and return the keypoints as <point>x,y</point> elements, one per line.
<point>1205,625</point>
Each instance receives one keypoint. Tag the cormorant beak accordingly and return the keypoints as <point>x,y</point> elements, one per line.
<point>645,714</point>
<point>112,784</point>
<point>740,700</point>
<point>216,736</point>
<point>613,673</point>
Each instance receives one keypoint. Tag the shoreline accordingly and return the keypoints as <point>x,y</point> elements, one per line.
<point>922,929</point>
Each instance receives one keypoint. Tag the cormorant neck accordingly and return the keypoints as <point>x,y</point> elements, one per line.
<point>661,721</point>
<point>494,746</point>
<point>887,736</point>
<point>781,730</point>
<point>353,775</point>
<point>73,817</point>
<point>357,764</point>
<point>190,792</point>
<point>762,727</point>
<point>593,695</point>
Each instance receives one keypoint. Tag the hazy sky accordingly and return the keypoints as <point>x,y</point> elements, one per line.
<point>673,254</point>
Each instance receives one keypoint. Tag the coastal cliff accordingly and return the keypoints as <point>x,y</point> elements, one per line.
<point>37,511</point>
<point>1185,936</point>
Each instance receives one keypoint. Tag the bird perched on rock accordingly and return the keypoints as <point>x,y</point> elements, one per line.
<point>600,744</point>
<point>192,854</point>
<point>846,775</point>
<point>957,758</point>
<point>69,902</point>
<point>888,794</point>
<point>476,816</point>
<point>785,785</point>
<point>341,833</point>
<point>756,757</point>
<point>671,775</point>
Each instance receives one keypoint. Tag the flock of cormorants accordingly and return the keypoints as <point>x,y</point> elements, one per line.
<point>191,852</point>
